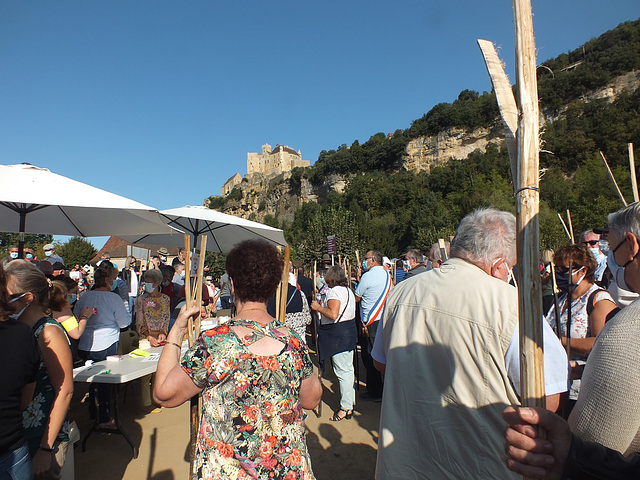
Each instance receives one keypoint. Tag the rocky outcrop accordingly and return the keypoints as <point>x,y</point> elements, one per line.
<point>424,152</point>
<point>277,196</point>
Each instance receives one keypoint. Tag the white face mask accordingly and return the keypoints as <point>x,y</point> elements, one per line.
<point>16,316</point>
<point>148,287</point>
<point>617,272</point>
<point>595,251</point>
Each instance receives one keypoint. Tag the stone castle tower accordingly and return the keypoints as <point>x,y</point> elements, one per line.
<point>273,162</point>
<point>269,162</point>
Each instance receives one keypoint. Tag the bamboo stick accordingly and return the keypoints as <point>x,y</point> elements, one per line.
<point>632,167</point>
<point>506,101</point>
<point>573,239</point>
<point>314,332</point>
<point>527,210</point>
<point>613,179</point>
<point>198,284</point>
<point>187,286</point>
<point>283,285</point>
<point>358,265</point>
<point>443,250</point>
<point>564,225</point>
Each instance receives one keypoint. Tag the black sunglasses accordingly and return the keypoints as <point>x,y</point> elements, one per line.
<point>593,243</point>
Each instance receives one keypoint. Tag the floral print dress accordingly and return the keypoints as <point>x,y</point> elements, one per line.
<point>252,423</point>
<point>36,416</point>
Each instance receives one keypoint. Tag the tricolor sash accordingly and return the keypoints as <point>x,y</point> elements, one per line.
<point>376,311</point>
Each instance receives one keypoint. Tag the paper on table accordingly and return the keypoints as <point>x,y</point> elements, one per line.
<point>154,357</point>
<point>138,353</point>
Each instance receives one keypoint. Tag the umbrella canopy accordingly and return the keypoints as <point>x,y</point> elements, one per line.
<point>224,231</point>
<point>35,200</point>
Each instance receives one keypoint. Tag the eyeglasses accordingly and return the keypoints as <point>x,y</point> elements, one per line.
<point>593,243</point>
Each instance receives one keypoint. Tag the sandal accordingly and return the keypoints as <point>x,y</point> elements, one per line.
<point>337,417</point>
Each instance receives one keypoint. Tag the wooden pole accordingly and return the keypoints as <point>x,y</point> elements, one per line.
<point>198,283</point>
<point>358,265</point>
<point>612,178</point>
<point>443,250</point>
<point>283,285</point>
<point>506,101</point>
<point>564,225</point>
<point>187,286</point>
<point>573,239</point>
<point>527,211</point>
<point>632,167</point>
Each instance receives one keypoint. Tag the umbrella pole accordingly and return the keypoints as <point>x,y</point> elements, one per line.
<point>23,224</point>
<point>314,332</point>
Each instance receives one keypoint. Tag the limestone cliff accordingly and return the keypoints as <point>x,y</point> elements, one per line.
<point>280,196</point>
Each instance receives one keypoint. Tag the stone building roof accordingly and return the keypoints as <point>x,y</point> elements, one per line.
<point>284,148</point>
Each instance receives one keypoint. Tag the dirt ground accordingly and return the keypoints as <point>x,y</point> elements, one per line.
<point>339,450</point>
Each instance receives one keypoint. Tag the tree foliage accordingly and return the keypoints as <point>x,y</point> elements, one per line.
<point>30,240</point>
<point>76,250</point>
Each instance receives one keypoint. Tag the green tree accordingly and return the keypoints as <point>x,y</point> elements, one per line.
<point>76,250</point>
<point>32,240</point>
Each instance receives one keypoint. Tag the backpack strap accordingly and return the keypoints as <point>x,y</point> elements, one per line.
<point>591,300</point>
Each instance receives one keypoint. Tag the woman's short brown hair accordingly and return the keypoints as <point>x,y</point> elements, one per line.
<point>578,256</point>
<point>255,267</point>
<point>335,277</point>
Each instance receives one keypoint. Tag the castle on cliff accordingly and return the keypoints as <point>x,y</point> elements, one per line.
<point>269,162</point>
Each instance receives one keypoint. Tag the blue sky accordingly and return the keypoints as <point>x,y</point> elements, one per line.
<point>160,101</point>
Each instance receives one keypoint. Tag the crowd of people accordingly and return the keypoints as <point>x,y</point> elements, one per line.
<point>438,337</point>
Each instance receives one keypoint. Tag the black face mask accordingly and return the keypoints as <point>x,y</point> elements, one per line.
<point>562,281</point>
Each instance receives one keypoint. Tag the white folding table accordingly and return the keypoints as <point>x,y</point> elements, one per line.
<point>117,373</point>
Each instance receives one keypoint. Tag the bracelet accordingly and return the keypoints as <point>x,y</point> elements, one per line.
<point>174,343</point>
<point>45,449</point>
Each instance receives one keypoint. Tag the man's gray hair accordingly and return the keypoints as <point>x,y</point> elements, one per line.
<point>627,219</point>
<point>416,255</point>
<point>376,256</point>
<point>584,234</point>
<point>484,235</point>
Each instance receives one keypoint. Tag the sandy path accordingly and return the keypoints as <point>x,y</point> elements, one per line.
<point>339,450</point>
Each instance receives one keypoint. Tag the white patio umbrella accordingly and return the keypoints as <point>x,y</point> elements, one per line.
<point>35,200</point>
<point>223,230</point>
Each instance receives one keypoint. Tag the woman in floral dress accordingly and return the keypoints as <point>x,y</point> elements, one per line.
<point>153,309</point>
<point>255,377</point>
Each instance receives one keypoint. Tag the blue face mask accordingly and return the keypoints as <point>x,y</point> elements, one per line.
<point>29,256</point>
<point>364,265</point>
<point>72,298</point>
<point>48,253</point>
<point>113,286</point>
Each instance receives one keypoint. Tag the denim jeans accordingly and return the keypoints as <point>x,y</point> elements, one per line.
<point>343,368</point>
<point>16,465</point>
<point>103,390</point>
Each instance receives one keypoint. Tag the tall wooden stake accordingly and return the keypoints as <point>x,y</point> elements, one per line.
<point>527,210</point>
<point>284,285</point>
<point>443,250</point>
<point>632,167</point>
<point>613,179</point>
<point>187,286</point>
<point>506,101</point>
<point>573,238</point>
<point>564,225</point>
